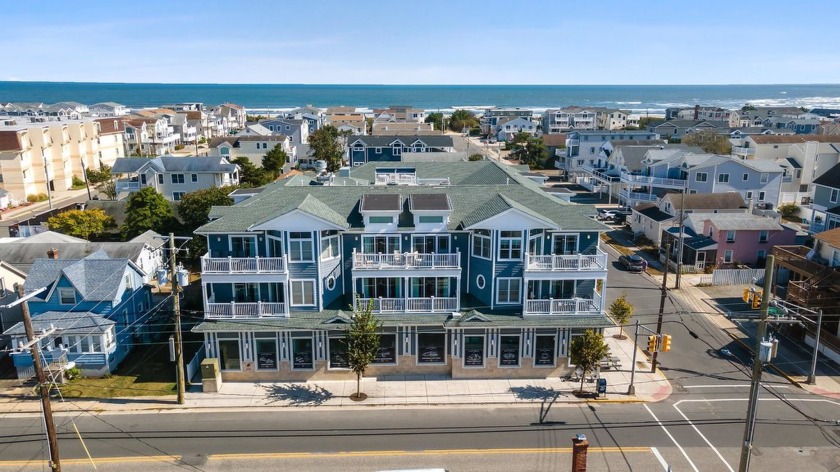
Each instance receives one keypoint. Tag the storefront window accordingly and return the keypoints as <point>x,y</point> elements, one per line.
<point>302,353</point>
<point>544,354</point>
<point>474,351</point>
<point>509,352</point>
<point>338,354</point>
<point>431,348</point>
<point>229,354</point>
<point>266,354</point>
<point>387,353</point>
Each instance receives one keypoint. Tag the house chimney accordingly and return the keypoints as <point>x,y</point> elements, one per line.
<point>696,112</point>
<point>52,253</point>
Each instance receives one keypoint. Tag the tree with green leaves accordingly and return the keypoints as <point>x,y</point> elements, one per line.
<point>251,176</point>
<point>194,211</point>
<point>274,160</point>
<point>362,342</point>
<point>81,223</point>
<point>102,175</point>
<point>586,352</point>
<point>435,118</point>
<point>621,310</point>
<point>476,157</point>
<point>709,141</point>
<point>326,144</point>
<point>529,149</point>
<point>147,210</point>
<point>462,119</point>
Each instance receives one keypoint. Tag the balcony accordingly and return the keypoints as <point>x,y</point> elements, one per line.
<point>743,151</point>
<point>563,306</point>
<point>811,296</point>
<point>600,174</point>
<point>406,261</point>
<point>243,265</point>
<point>629,178</point>
<point>244,310</point>
<point>575,262</point>
<point>637,196</point>
<point>411,305</point>
<point>127,186</point>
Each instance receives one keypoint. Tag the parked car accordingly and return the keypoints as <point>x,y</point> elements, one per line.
<point>620,217</point>
<point>633,263</point>
<point>606,215</point>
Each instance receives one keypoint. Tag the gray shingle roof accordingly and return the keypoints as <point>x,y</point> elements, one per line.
<point>127,165</point>
<point>479,191</point>
<point>734,221</point>
<point>96,277</point>
<point>65,323</point>
<point>23,256</point>
<point>436,141</point>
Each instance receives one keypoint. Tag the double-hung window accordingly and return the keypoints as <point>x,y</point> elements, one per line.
<point>730,236</point>
<point>701,177</point>
<point>481,243</point>
<point>303,292</point>
<point>177,178</point>
<point>194,177</point>
<point>723,178</point>
<point>762,236</point>
<point>765,177</point>
<point>508,290</point>
<point>510,245</point>
<point>300,246</point>
<point>67,296</point>
<point>834,194</point>
<point>329,244</point>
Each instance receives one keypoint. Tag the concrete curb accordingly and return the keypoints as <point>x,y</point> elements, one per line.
<point>777,369</point>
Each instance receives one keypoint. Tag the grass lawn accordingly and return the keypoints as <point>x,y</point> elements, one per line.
<point>145,372</point>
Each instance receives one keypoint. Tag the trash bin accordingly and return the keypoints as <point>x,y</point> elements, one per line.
<point>602,387</point>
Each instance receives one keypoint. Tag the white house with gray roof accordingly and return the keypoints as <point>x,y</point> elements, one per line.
<point>173,176</point>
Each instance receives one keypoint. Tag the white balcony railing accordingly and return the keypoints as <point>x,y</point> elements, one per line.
<point>244,310</point>
<point>127,186</point>
<point>629,178</point>
<point>411,305</point>
<point>243,265</point>
<point>563,306</point>
<point>408,260</point>
<point>743,151</point>
<point>576,262</point>
<point>638,196</point>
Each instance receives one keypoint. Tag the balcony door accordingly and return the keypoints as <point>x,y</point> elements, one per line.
<point>243,246</point>
<point>380,244</point>
<point>545,289</point>
<point>565,244</point>
<point>426,287</point>
<point>246,292</point>
<point>438,244</point>
<point>381,287</point>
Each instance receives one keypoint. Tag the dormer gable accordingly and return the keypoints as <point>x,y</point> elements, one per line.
<point>430,211</point>
<point>381,212</point>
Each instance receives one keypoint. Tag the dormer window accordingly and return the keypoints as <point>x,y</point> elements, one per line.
<point>431,211</point>
<point>380,211</point>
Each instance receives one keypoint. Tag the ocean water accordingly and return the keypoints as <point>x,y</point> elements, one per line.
<point>638,98</point>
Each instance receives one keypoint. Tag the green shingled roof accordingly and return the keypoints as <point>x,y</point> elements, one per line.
<point>478,190</point>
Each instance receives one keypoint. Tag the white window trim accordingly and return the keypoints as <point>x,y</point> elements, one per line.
<point>507,238</point>
<point>311,246</point>
<point>483,352</point>
<point>723,178</point>
<point>498,290</point>
<point>705,177</point>
<point>489,240</point>
<point>480,282</point>
<point>834,195</point>
<point>730,253</point>
<point>325,239</point>
<point>303,292</point>
<point>61,297</point>
<point>518,354</point>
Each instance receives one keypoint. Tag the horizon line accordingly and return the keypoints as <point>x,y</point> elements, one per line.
<point>7,81</point>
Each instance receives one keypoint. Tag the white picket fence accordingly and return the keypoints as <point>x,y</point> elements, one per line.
<point>734,277</point>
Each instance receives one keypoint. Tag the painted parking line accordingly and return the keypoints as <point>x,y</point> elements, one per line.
<point>661,459</point>
<point>694,467</point>
<point>720,456</point>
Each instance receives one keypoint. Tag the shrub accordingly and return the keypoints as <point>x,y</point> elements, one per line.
<point>32,198</point>
<point>73,373</point>
<point>178,147</point>
<point>788,209</point>
<point>77,183</point>
<point>476,157</point>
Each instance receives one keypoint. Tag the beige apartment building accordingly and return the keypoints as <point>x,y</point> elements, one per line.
<point>42,155</point>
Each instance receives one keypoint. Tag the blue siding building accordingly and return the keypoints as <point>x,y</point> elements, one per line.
<point>97,305</point>
<point>364,149</point>
<point>479,274</point>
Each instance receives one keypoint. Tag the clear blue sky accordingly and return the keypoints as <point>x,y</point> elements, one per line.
<point>422,42</point>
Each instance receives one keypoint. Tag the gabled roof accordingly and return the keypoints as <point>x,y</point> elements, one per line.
<point>734,221</point>
<point>794,138</point>
<point>65,323</point>
<point>430,140</point>
<point>830,178</point>
<point>652,212</point>
<point>24,254</point>
<point>96,277</point>
<point>707,201</point>
<point>830,237</point>
<point>128,165</point>
<point>110,126</point>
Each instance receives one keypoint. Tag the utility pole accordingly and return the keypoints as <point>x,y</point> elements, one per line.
<point>176,303</point>
<point>680,247</point>
<point>812,377</point>
<point>631,390</point>
<point>661,304</point>
<point>43,385</point>
<point>758,363</point>
<point>87,184</point>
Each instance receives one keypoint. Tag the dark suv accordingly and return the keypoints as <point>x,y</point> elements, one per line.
<point>633,263</point>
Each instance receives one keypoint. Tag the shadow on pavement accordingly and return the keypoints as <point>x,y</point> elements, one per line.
<point>534,392</point>
<point>297,394</point>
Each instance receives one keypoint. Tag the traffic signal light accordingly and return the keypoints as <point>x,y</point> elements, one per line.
<point>652,343</point>
<point>756,301</point>
<point>666,342</point>
<point>746,296</point>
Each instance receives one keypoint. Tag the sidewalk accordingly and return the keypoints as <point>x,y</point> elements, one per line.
<point>390,391</point>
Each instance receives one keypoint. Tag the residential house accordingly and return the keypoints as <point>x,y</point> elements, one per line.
<point>314,116</point>
<point>485,276</point>
<point>235,116</point>
<point>173,176</point>
<point>182,127</point>
<point>796,125</point>
<point>706,114</point>
<point>355,124</point>
<point>493,118</point>
<point>152,136</point>
<point>651,219</point>
<point>755,116</point>
<point>813,280</point>
<point>364,149</point>
<point>584,147</point>
<point>569,118</point>
<point>399,114</point>
<point>296,130</point>
<point>10,278</point>
<point>509,129</point>
<point>726,240</point>
<point>380,128</point>
<point>677,129</point>
<point>613,119</point>
<point>108,109</point>
<point>98,306</point>
<point>826,206</point>
<point>253,147</point>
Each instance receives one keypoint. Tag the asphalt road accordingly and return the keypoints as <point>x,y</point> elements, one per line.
<point>698,428</point>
